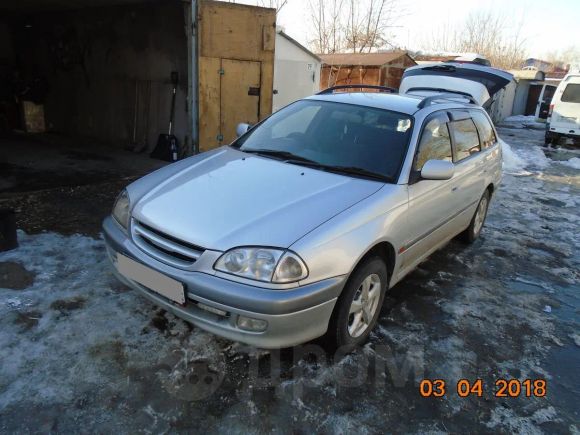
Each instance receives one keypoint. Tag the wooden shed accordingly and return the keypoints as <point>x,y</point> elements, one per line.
<point>236,68</point>
<point>384,69</point>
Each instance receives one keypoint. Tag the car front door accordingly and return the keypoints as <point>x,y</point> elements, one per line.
<point>432,203</point>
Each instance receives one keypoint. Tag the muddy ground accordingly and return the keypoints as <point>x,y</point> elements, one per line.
<point>82,353</point>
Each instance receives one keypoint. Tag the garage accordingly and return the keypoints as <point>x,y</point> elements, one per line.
<point>88,87</point>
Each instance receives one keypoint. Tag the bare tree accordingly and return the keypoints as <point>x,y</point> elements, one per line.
<point>486,33</point>
<point>564,58</point>
<point>326,19</point>
<point>352,25</point>
<point>368,24</point>
<point>274,4</point>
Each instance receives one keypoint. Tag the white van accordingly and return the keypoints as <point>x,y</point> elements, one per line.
<point>564,115</point>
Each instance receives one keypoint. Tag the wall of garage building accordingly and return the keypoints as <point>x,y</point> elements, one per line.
<point>104,72</point>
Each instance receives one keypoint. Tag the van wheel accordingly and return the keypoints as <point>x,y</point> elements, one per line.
<point>358,307</point>
<point>474,229</point>
<point>551,139</point>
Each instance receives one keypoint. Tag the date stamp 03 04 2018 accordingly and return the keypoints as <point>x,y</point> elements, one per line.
<point>503,388</point>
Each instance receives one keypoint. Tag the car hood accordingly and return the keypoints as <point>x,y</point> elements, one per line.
<point>234,199</point>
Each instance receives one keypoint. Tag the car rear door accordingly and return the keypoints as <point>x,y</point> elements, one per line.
<point>478,81</point>
<point>490,148</point>
<point>470,164</point>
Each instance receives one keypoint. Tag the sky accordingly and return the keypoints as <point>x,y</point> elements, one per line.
<point>549,26</point>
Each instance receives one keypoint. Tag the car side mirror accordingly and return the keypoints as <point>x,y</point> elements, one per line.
<point>437,170</point>
<point>242,128</point>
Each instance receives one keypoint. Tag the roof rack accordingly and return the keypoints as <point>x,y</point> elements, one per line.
<point>443,94</point>
<point>379,88</point>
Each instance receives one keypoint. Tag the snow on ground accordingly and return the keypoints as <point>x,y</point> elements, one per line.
<point>519,118</point>
<point>81,352</point>
<point>574,162</point>
<point>529,121</point>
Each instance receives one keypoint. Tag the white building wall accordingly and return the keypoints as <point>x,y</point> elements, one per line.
<point>296,73</point>
<point>502,105</point>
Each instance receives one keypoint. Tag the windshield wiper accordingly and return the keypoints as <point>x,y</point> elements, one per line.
<point>348,170</point>
<point>354,170</point>
<point>282,155</point>
<point>288,157</point>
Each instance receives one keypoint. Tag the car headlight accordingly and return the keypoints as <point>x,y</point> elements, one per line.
<point>263,264</point>
<point>121,209</point>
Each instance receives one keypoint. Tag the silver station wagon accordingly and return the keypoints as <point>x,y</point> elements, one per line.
<point>300,226</point>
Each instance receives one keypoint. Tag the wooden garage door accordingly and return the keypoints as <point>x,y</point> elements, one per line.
<point>240,96</point>
<point>229,93</point>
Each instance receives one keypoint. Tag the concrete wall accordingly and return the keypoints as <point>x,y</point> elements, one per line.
<point>296,73</point>
<point>108,69</point>
<point>502,105</point>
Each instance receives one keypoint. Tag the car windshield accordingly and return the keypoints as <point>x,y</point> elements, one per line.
<point>344,138</point>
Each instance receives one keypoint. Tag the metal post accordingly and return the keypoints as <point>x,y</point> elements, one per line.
<point>193,76</point>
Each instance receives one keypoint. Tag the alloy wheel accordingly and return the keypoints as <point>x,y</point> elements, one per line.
<point>364,305</point>
<point>480,215</point>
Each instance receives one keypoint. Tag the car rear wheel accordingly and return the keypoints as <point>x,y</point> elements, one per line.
<point>472,232</point>
<point>358,307</point>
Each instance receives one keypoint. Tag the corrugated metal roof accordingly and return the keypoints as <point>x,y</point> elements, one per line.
<point>362,59</point>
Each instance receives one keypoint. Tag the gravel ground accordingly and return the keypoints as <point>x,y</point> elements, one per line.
<point>82,353</point>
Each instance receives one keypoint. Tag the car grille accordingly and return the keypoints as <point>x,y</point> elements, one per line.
<point>164,247</point>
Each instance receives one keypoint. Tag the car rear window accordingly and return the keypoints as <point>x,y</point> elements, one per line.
<point>571,93</point>
<point>465,138</point>
<point>486,133</point>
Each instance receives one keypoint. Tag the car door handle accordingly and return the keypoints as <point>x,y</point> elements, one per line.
<point>454,189</point>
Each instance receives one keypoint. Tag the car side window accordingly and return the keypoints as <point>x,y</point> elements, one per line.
<point>434,143</point>
<point>486,133</point>
<point>571,93</point>
<point>465,139</point>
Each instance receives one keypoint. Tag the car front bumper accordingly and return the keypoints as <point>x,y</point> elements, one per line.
<point>293,316</point>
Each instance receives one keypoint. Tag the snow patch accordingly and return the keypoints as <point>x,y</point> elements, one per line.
<point>574,162</point>
<point>72,348</point>
<point>511,161</point>
<point>517,160</point>
<point>520,118</point>
<point>502,417</point>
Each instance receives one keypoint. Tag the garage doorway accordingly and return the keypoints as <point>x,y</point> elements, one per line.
<point>533,97</point>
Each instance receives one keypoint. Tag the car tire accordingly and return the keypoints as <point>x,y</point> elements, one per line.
<point>551,138</point>
<point>358,307</point>
<point>478,220</point>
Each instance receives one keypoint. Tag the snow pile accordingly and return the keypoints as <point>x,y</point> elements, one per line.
<point>574,162</point>
<point>518,159</point>
<point>512,163</point>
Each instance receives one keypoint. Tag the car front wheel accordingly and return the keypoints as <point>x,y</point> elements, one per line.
<point>358,307</point>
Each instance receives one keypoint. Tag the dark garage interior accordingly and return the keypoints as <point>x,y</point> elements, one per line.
<point>85,90</point>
